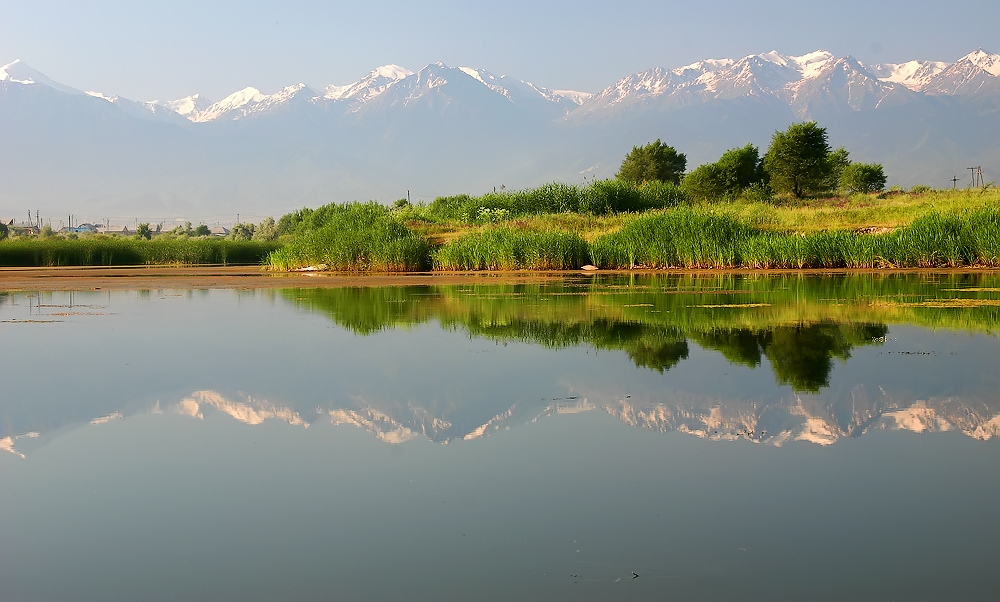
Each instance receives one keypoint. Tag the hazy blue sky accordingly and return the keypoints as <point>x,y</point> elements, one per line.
<point>166,50</point>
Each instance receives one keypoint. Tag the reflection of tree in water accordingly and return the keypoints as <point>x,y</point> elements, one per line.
<point>800,355</point>
<point>657,347</point>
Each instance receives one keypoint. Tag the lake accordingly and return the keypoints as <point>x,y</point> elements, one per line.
<point>586,437</point>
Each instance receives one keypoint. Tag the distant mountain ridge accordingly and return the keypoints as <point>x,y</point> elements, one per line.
<point>396,130</point>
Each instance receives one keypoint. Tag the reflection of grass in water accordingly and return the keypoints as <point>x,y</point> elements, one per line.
<point>686,302</point>
<point>800,323</point>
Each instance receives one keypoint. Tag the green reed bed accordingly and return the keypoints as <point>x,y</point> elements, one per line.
<point>355,237</point>
<point>696,238</point>
<point>109,251</point>
<point>599,198</point>
<point>513,248</point>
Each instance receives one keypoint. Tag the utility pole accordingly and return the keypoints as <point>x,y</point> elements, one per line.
<point>954,182</point>
<point>977,175</point>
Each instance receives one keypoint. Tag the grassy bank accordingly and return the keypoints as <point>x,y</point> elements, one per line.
<point>111,251</point>
<point>354,237</point>
<point>611,224</point>
<point>692,238</point>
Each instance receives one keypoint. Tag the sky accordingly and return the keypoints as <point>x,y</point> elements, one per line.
<point>168,50</point>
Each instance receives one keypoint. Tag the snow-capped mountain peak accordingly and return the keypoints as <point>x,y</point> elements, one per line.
<point>20,73</point>
<point>968,75</point>
<point>233,102</point>
<point>986,61</point>
<point>392,72</point>
<point>187,106</point>
<point>915,75</point>
<point>807,65</point>
<point>368,87</point>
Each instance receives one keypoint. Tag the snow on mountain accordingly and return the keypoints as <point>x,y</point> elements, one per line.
<point>973,72</point>
<point>842,84</point>
<point>251,102</point>
<point>985,61</point>
<point>142,110</point>
<point>20,73</point>
<point>235,102</point>
<point>368,87</point>
<point>577,98</point>
<point>915,75</point>
<point>765,75</point>
<point>187,106</point>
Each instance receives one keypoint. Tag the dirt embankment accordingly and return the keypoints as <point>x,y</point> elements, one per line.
<point>161,277</point>
<point>166,277</point>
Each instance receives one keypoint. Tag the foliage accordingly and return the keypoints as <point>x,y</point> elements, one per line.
<point>734,172</point>
<point>513,248</point>
<point>798,160</point>
<point>655,161</point>
<point>202,230</point>
<point>143,231</point>
<point>838,161</point>
<point>353,237</point>
<point>866,178</point>
<point>598,198</point>
<point>4,231</point>
<point>693,238</point>
<point>114,250</point>
<point>266,230</point>
<point>242,231</point>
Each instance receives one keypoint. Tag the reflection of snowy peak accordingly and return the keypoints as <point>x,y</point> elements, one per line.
<point>809,418</point>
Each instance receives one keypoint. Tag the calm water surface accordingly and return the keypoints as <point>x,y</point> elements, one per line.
<point>721,437</point>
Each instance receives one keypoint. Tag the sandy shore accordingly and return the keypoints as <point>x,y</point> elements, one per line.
<point>161,277</point>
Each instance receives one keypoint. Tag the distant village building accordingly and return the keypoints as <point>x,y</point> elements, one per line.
<point>219,231</point>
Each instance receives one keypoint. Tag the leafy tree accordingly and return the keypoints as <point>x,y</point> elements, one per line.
<point>266,230</point>
<point>46,231</point>
<point>863,177</point>
<point>798,160</point>
<point>143,231</point>
<point>838,160</point>
<point>734,172</point>
<point>4,231</point>
<point>202,230</point>
<point>655,161</point>
<point>242,231</point>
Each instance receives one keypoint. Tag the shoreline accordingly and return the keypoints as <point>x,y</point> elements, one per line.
<point>246,277</point>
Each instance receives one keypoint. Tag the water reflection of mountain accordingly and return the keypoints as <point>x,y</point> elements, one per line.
<point>810,418</point>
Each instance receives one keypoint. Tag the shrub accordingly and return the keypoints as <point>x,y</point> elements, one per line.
<point>862,177</point>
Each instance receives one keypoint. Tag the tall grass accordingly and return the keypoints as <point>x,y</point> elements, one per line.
<point>513,248</point>
<point>599,198</point>
<point>355,237</point>
<point>698,238</point>
<point>109,251</point>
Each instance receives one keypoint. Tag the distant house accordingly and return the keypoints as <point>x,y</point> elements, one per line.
<point>219,231</point>
<point>126,230</point>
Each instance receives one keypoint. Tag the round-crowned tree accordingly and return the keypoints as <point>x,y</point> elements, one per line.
<point>798,160</point>
<point>863,177</point>
<point>655,161</point>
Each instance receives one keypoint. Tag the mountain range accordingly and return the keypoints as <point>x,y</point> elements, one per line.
<point>448,130</point>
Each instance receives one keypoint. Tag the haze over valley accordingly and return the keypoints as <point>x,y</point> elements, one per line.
<point>443,130</point>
